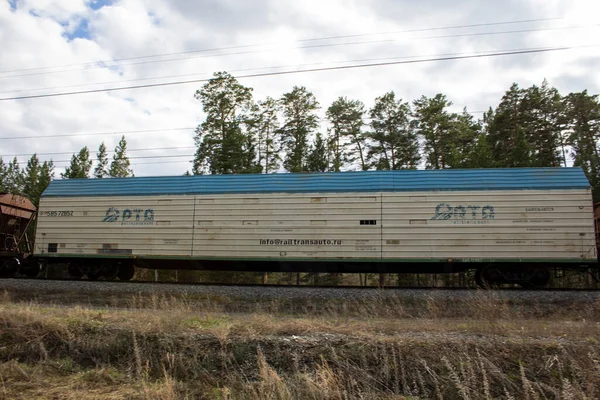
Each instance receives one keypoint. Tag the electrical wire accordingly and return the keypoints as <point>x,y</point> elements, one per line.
<point>108,152</point>
<point>297,41</point>
<point>302,47</point>
<point>190,156</point>
<point>473,56</point>
<point>265,68</point>
<point>162,162</point>
<point>95,133</point>
<point>139,157</point>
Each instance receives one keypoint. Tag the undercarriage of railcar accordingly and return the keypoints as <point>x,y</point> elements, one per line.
<point>493,274</point>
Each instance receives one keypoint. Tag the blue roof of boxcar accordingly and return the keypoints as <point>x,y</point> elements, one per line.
<point>363,181</point>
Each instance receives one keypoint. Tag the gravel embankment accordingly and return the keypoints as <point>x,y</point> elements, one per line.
<point>38,286</point>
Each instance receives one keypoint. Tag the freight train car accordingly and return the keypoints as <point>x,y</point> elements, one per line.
<point>511,225</point>
<point>16,216</point>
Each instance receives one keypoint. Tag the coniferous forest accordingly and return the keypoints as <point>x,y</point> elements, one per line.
<point>530,127</point>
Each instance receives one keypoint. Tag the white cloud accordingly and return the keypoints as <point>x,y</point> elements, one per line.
<point>60,10</point>
<point>37,34</point>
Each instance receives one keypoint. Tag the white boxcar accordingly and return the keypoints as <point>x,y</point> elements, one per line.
<point>393,221</point>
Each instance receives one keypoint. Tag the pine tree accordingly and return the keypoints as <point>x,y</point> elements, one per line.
<point>119,167</point>
<point>347,141</point>
<point>3,172</point>
<point>506,136</point>
<point>249,161</point>
<point>222,146</point>
<point>521,153</point>
<point>542,123</point>
<point>462,136</point>
<point>527,128</point>
<point>13,180</point>
<point>37,178</point>
<point>480,154</point>
<point>395,144</point>
<point>265,123</point>
<point>46,175</point>
<point>583,116</point>
<point>31,176</point>
<point>317,156</point>
<point>434,125</point>
<point>300,120</point>
<point>80,165</point>
<point>101,170</point>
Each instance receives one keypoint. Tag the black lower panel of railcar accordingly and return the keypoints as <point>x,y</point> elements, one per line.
<point>526,274</point>
<point>345,267</point>
<point>318,266</point>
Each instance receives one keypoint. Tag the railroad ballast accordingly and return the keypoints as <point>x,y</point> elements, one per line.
<point>511,225</point>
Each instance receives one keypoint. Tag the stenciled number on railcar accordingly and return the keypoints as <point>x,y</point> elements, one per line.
<point>57,213</point>
<point>135,216</point>
<point>460,213</point>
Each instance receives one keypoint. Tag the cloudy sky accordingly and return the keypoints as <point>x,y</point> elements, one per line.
<point>59,46</point>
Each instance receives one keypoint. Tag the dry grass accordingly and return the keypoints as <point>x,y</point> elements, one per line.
<point>162,347</point>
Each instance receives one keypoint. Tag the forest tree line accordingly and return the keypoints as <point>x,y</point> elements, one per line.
<point>32,180</point>
<point>530,127</point>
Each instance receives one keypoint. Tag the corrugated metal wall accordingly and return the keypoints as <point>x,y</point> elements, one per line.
<point>152,225</point>
<point>404,226</point>
<point>288,226</point>
<point>475,226</point>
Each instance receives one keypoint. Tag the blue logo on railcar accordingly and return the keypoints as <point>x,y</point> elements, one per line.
<point>136,216</point>
<point>462,214</point>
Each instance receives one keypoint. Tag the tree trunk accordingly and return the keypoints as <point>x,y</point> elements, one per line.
<point>267,152</point>
<point>360,153</point>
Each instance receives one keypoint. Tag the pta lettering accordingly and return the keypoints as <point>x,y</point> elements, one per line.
<point>135,216</point>
<point>445,211</point>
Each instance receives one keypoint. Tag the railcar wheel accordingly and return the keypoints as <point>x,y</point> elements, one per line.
<point>110,271</point>
<point>31,269</point>
<point>75,271</point>
<point>538,278</point>
<point>126,272</point>
<point>9,267</point>
<point>93,276</point>
<point>92,270</point>
<point>482,277</point>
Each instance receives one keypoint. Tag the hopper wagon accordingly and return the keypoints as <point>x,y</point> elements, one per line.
<point>512,225</point>
<point>17,215</point>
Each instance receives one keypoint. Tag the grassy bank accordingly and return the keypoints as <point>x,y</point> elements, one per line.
<point>160,347</point>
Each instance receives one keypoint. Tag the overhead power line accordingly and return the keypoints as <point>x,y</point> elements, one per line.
<point>140,157</point>
<point>297,41</point>
<point>296,48</point>
<point>95,133</point>
<point>270,68</point>
<point>91,150</point>
<point>188,156</point>
<point>365,118</point>
<point>162,162</point>
<point>379,64</point>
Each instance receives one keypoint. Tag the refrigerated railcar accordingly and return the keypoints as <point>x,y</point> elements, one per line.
<point>511,225</point>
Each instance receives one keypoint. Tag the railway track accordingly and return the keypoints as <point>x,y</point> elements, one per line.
<point>356,302</point>
<point>40,287</point>
<point>328,287</point>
